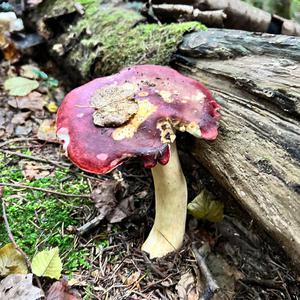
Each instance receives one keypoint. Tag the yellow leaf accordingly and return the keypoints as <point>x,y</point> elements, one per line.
<point>47,263</point>
<point>11,261</point>
<point>204,206</point>
<point>52,107</point>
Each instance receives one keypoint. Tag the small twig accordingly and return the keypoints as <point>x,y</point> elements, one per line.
<point>12,239</point>
<point>16,140</point>
<point>270,284</point>
<point>89,225</point>
<point>23,186</point>
<point>152,267</point>
<point>10,235</point>
<point>47,161</point>
<point>212,286</point>
<point>44,160</point>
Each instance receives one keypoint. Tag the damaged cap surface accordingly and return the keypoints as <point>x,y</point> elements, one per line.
<point>133,113</point>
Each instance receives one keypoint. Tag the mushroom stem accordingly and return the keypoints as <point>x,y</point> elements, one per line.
<point>168,230</point>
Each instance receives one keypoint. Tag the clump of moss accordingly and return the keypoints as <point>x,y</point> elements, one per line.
<point>109,38</point>
<point>38,220</point>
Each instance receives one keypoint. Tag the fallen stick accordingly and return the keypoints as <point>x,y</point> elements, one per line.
<point>9,233</point>
<point>211,285</point>
<point>39,159</point>
<point>12,239</point>
<point>23,186</point>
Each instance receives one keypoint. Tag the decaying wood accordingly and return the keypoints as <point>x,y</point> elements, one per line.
<point>181,12</point>
<point>256,79</point>
<point>234,14</point>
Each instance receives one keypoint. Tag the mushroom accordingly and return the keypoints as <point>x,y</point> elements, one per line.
<point>135,113</point>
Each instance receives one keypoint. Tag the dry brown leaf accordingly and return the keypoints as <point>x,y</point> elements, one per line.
<point>226,276</point>
<point>28,71</point>
<point>11,261</point>
<point>124,209</point>
<point>186,287</point>
<point>20,118</point>
<point>24,129</point>
<point>47,131</point>
<point>8,48</point>
<point>60,290</point>
<point>19,287</point>
<point>133,278</point>
<point>9,129</point>
<point>34,101</point>
<point>104,196</point>
<point>78,280</point>
<point>32,170</point>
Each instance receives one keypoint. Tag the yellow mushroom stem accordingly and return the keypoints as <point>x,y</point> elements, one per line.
<point>168,230</point>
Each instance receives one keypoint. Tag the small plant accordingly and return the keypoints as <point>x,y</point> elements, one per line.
<point>38,220</point>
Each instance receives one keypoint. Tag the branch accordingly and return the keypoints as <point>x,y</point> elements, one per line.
<point>22,186</point>
<point>188,13</point>
<point>10,235</point>
<point>39,159</point>
<point>212,286</point>
<point>12,239</point>
<point>233,14</point>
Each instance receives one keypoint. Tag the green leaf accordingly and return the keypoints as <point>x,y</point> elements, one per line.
<point>39,73</point>
<point>11,261</point>
<point>47,263</point>
<point>204,206</point>
<point>20,86</point>
<point>51,82</point>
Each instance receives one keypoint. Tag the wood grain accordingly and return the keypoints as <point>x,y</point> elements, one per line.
<point>257,154</point>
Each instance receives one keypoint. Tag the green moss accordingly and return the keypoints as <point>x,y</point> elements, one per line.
<point>38,220</point>
<point>54,8</point>
<point>111,38</point>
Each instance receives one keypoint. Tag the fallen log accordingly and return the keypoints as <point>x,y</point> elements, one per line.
<point>255,77</point>
<point>233,14</point>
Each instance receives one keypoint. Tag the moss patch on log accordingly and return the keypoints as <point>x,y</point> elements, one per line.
<point>107,38</point>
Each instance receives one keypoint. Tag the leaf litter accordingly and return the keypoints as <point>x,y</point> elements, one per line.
<point>105,197</point>
<point>19,287</point>
<point>47,131</point>
<point>34,101</point>
<point>60,290</point>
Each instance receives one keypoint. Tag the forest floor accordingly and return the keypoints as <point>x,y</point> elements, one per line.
<point>105,262</point>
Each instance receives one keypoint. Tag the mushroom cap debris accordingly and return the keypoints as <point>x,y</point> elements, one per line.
<point>133,113</point>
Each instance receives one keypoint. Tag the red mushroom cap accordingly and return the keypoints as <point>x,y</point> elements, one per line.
<point>159,99</point>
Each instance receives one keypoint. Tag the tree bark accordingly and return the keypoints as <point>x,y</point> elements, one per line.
<point>256,79</point>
